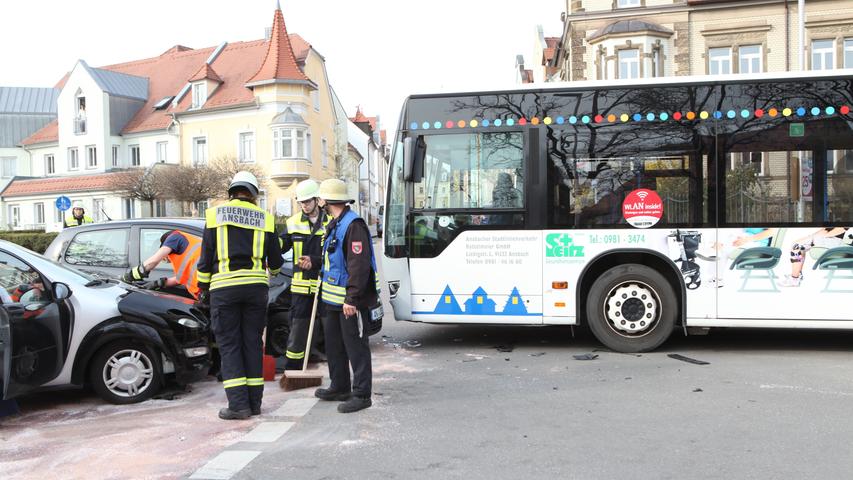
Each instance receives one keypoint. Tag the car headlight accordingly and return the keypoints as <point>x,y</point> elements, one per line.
<point>196,352</point>
<point>189,323</point>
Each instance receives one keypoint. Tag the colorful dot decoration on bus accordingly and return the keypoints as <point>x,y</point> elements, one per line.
<point>625,117</point>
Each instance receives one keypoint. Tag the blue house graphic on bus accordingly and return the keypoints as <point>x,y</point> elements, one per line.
<point>480,303</point>
<point>514,304</point>
<point>447,304</point>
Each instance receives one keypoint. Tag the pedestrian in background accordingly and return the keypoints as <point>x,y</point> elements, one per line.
<point>78,216</point>
<point>238,246</point>
<point>349,284</point>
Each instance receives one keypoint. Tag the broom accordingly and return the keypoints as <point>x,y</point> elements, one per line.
<point>297,379</point>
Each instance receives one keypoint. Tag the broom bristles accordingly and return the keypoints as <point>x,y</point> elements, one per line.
<point>298,379</point>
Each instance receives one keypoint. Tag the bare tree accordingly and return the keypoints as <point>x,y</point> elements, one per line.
<point>192,184</point>
<point>225,167</point>
<point>145,184</point>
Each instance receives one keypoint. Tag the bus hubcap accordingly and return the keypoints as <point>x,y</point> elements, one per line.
<point>631,308</point>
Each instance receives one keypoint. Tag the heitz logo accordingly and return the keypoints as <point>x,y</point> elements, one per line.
<point>562,245</point>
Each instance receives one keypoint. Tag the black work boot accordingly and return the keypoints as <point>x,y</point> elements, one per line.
<point>256,410</point>
<point>331,395</point>
<point>354,404</point>
<point>228,414</point>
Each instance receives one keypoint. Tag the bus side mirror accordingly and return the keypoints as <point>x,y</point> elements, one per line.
<point>414,150</point>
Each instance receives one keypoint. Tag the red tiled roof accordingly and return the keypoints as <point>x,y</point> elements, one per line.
<point>527,77</point>
<point>61,185</point>
<point>552,42</point>
<point>280,61</point>
<point>48,133</point>
<point>383,135</point>
<point>206,72</point>
<point>169,72</point>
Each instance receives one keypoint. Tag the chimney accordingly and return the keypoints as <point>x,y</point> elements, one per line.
<point>267,33</point>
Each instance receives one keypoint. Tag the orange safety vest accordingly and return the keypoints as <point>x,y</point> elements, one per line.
<point>186,263</point>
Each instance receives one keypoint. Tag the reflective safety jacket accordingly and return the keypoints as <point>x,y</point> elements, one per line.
<point>72,221</point>
<point>185,264</point>
<point>305,242</point>
<point>238,246</point>
<point>336,278</point>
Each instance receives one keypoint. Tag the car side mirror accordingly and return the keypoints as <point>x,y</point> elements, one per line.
<point>60,291</point>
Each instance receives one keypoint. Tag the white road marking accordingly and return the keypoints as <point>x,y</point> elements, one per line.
<point>225,465</point>
<point>267,432</point>
<point>295,407</point>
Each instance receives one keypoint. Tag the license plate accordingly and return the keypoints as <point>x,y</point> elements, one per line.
<point>376,313</point>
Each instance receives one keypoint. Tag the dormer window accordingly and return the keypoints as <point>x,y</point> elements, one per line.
<point>199,94</point>
<point>79,113</point>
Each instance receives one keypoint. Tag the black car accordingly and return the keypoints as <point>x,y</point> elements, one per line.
<point>108,249</point>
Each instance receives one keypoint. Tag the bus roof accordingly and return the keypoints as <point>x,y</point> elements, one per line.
<point>648,82</point>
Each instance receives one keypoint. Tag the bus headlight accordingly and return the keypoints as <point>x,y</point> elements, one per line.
<point>393,287</point>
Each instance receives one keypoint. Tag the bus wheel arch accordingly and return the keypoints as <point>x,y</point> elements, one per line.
<point>652,275</point>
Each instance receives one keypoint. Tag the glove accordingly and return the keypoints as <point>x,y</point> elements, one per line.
<point>158,284</point>
<point>135,274</point>
<point>203,302</point>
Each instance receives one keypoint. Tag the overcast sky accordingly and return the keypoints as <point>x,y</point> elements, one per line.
<point>377,51</point>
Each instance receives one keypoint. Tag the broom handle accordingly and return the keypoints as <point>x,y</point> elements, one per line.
<point>311,326</point>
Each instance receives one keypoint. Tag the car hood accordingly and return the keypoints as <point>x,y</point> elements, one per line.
<point>158,307</point>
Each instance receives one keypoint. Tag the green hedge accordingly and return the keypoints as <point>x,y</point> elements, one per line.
<point>37,242</point>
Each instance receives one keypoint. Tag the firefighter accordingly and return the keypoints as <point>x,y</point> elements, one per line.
<point>183,251</point>
<point>304,233</point>
<point>350,284</point>
<point>78,216</point>
<point>238,247</point>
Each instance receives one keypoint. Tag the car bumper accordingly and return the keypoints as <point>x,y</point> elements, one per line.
<point>193,368</point>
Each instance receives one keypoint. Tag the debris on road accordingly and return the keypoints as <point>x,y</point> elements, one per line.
<point>585,356</point>
<point>677,356</point>
<point>412,343</point>
<point>697,390</point>
<point>505,348</point>
<point>538,354</point>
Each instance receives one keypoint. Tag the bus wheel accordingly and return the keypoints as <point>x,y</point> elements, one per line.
<point>631,308</point>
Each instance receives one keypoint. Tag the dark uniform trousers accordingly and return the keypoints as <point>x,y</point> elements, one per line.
<point>300,318</point>
<point>346,346</point>
<point>239,317</point>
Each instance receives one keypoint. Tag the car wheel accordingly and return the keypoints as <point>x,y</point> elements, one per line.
<point>125,372</point>
<point>631,308</point>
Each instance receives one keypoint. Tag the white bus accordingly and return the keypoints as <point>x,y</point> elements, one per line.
<point>635,208</point>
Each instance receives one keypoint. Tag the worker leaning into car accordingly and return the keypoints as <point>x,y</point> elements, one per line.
<point>78,216</point>
<point>304,233</point>
<point>183,251</point>
<point>238,246</point>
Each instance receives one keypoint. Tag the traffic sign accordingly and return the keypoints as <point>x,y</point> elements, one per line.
<point>63,203</point>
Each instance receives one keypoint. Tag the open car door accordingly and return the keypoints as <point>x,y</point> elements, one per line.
<point>5,353</point>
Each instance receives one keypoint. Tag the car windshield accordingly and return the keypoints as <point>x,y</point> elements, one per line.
<point>46,266</point>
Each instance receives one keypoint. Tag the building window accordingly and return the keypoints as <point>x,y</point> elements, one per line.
<point>720,61</point>
<point>657,61</point>
<point>135,160</point>
<point>627,3</point>
<point>602,64</point>
<point>629,63</point>
<point>199,94</point>
<point>247,147</point>
<point>49,165</point>
<point>98,210</point>
<point>159,208</point>
<point>162,148</point>
<point>749,57</point>
<point>200,151</point>
<point>38,213</point>
<point>14,216</point>
<point>306,145</point>
<point>8,166</point>
<point>823,52</point>
<point>80,114</point>
<point>58,215</point>
<point>201,207</point>
<point>325,146</point>
<point>289,143</point>
<point>115,155</point>
<point>848,53</point>
<point>91,156</point>
<point>129,208</point>
<point>73,159</point>
<point>315,98</point>
<point>262,199</point>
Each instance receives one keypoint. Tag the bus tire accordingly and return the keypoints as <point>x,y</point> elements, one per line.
<point>631,308</point>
